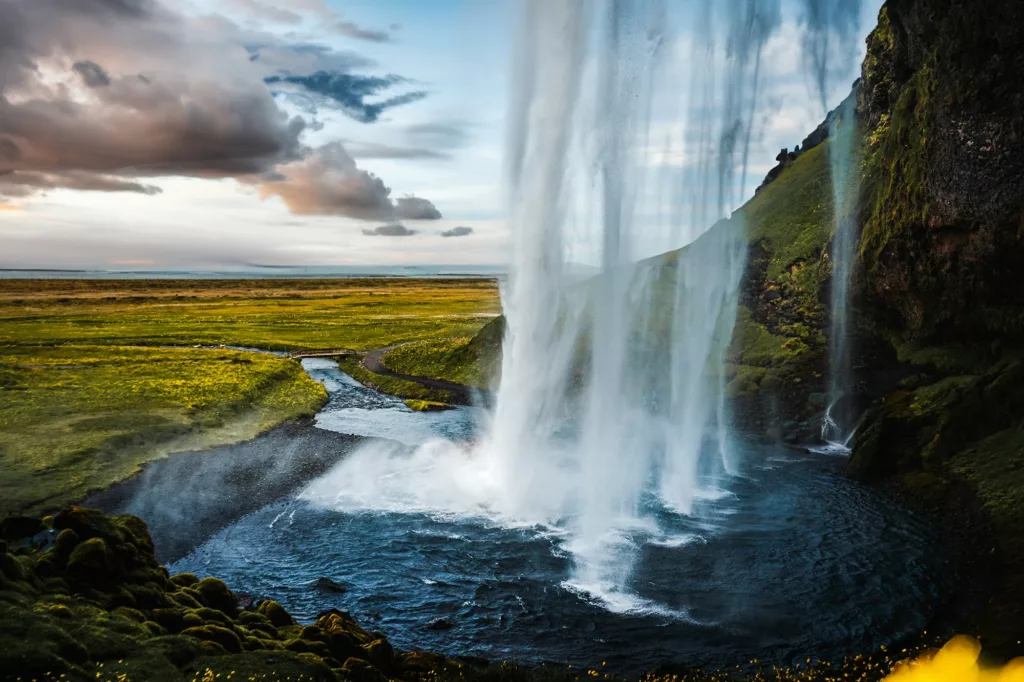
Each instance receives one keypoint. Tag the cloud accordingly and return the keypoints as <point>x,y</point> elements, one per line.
<point>263,11</point>
<point>92,73</point>
<point>460,231</point>
<point>416,208</point>
<point>372,150</point>
<point>349,91</point>
<point>347,28</point>
<point>390,230</point>
<point>328,182</point>
<point>423,141</point>
<point>148,93</point>
<point>437,135</point>
<point>25,183</point>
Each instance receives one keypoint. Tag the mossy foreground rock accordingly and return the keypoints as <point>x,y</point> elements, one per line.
<point>82,597</point>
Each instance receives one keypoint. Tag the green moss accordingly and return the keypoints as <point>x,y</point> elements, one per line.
<point>793,215</point>
<point>895,169</point>
<point>426,406</point>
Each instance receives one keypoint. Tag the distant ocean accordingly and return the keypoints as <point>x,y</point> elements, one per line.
<point>266,272</point>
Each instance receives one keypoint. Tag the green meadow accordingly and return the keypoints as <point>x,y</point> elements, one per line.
<point>99,377</point>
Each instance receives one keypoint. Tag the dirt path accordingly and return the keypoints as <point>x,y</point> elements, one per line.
<point>374,362</point>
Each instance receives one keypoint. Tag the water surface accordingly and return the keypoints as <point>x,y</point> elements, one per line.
<point>788,560</point>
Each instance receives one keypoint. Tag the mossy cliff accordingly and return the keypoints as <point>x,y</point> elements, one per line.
<point>941,253</point>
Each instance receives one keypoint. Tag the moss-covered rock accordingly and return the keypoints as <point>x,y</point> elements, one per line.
<point>105,605</point>
<point>275,613</point>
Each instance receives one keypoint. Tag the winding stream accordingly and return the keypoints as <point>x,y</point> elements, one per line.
<point>790,560</point>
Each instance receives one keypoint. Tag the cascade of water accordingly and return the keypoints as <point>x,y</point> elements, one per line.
<point>832,27</point>
<point>611,412</point>
<point>603,363</point>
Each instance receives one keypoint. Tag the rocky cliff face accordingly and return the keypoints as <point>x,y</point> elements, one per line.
<point>943,222</point>
<point>938,299</point>
<point>938,278</point>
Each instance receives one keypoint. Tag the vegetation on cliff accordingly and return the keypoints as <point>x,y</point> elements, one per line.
<point>940,256</point>
<point>401,388</point>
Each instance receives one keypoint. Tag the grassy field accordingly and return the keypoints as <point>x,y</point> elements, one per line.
<point>361,314</point>
<point>89,390</point>
<point>79,418</point>
<point>451,359</point>
<point>471,361</point>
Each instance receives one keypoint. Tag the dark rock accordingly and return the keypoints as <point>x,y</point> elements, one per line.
<point>16,527</point>
<point>328,586</point>
<point>439,624</point>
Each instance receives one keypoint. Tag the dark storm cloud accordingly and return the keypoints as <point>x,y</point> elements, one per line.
<point>460,231</point>
<point>92,73</point>
<point>100,94</point>
<point>390,230</point>
<point>171,98</point>
<point>328,182</point>
<point>8,150</point>
<point>349,91</point>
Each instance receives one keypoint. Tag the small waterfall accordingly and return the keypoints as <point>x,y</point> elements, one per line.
<point>832,26</point>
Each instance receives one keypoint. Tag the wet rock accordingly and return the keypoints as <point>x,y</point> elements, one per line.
<point>440,624</point>
<point>328,586</point>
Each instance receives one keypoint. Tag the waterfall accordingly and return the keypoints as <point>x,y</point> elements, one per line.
<point>838,424</point>
<point>610,423</point>
<point>831,27</point>
<point>614,386</point>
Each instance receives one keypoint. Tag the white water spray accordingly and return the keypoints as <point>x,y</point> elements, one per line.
<point>611,413</point>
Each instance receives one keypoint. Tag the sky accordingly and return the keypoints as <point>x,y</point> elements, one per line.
<point>216,134</point>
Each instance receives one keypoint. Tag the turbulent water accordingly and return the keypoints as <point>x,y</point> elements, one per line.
<point>790,560</point>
